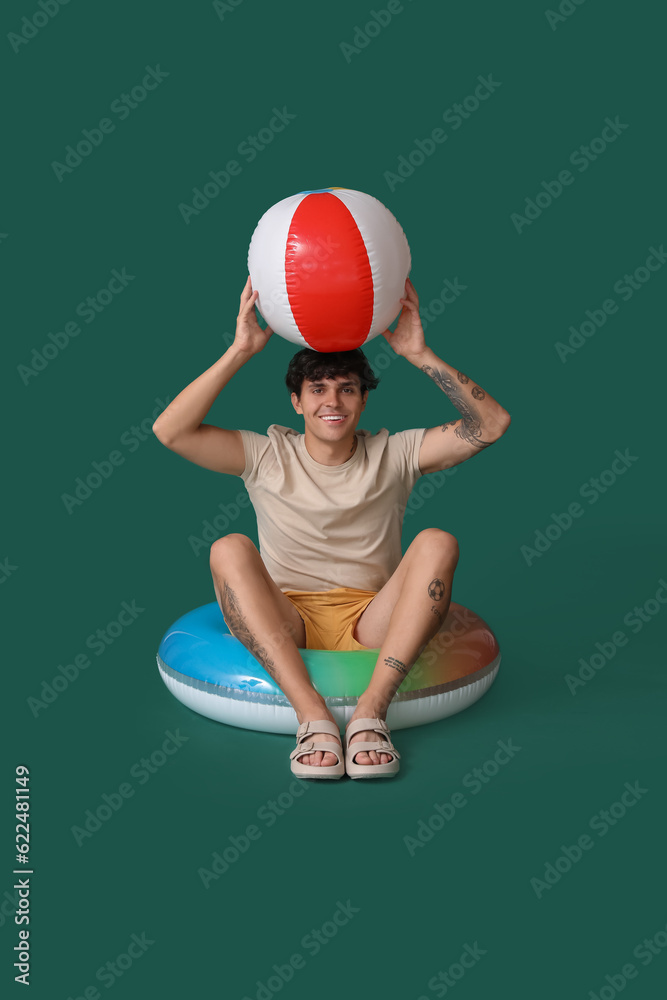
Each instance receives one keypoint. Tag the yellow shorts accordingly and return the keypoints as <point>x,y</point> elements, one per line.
<point>331,615</point>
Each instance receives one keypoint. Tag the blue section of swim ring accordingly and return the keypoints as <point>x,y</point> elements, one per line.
<point>200,645</point>
<point>316,191</point>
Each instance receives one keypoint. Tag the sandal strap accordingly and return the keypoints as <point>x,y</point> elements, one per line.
<point>306,748</point>
<point>363,746</point>
<point>318,726</point>
<point>376,725</point>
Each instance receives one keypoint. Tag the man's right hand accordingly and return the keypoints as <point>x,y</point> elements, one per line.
<point>250,338</point>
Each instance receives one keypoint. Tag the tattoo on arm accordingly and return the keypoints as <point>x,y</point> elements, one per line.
<point>396,665</point>
<point>470,428</point>
<point>238,626</point>
<point>450,423</point>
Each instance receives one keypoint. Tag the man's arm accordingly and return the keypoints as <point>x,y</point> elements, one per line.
<point>483,420</point>
<point>180,426</point>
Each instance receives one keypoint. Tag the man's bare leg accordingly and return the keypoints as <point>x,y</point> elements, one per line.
<point>402,619</point>
<point>269,626</point>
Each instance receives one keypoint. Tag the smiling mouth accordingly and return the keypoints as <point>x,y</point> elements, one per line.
<point>331,419</point>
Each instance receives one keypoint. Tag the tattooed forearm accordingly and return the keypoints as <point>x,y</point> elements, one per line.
<point>396,665</point>
<point>470,428</point>
<point>238,626</point>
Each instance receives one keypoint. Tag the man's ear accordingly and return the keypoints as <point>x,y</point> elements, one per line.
<point>364,399</point>
<point>295,403</point>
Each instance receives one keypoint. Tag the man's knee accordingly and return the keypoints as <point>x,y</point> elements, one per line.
<point>435,542</point>
<point>231,549</point>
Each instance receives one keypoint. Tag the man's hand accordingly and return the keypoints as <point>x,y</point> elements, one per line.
<point>407,340</point>
<point>250,338</point>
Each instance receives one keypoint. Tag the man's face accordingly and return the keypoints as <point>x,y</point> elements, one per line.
<point>331,408</point>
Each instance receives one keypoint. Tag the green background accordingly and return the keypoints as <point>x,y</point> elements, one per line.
<point>129,540</point>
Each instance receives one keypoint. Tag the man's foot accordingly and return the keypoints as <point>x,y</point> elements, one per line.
<point>320,758</point>
<point>371,756</point>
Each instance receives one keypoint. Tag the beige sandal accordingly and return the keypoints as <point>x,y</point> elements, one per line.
<point>383,746</point>
<point>317,770</point>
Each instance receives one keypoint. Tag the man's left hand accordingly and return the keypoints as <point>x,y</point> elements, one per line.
<point>407,340</point>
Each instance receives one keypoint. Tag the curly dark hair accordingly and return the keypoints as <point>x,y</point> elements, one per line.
<point>315,365</point>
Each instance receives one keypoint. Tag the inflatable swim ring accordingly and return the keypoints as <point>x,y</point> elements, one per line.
<point>211,672</point>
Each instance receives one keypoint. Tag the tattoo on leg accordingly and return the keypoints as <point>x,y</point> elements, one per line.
<point>239,627</point>
<point>436,589</point>
<point>462,378</point>
<point>436,612</point>
<point>477,392</point>
<point>396,664</point>
<point>470,428</point>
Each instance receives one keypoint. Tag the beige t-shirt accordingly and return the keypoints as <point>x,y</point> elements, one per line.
<point>327,526</point>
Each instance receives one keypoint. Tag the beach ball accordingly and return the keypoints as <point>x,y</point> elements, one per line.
<point>330,268</point>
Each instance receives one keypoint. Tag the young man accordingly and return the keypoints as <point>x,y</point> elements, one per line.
<point>329,504</point>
